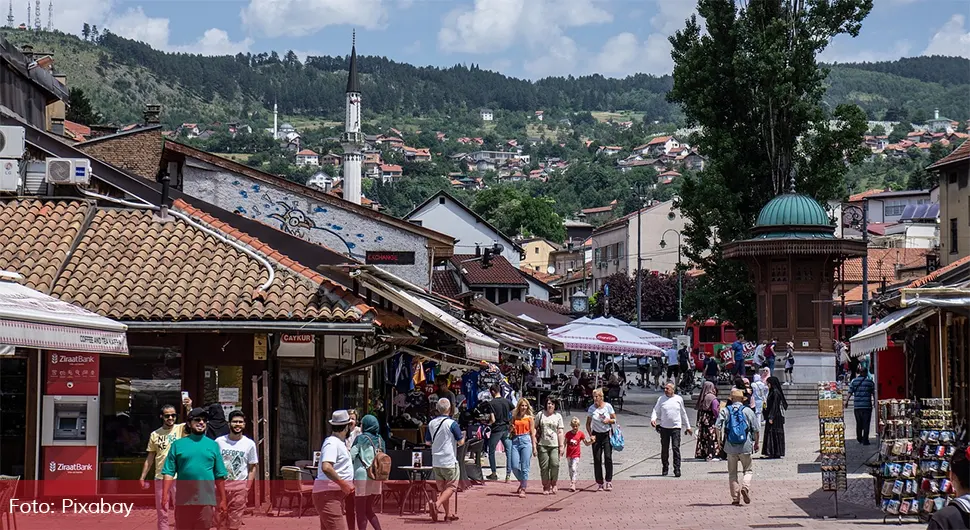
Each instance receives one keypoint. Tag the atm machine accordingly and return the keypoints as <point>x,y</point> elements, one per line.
<point>69,426</point>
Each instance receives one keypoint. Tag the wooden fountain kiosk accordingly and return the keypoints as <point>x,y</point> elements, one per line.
<point>792,258</point>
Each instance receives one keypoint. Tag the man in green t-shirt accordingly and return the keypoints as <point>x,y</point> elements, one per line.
<point>197,462</point>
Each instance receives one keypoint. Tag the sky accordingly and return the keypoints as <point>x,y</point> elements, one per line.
<point>522,38</point>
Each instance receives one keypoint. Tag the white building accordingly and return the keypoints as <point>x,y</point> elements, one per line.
<point>307,157</point>
<point>486,114</point>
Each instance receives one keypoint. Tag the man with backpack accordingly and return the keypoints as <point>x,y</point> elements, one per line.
<point>740,429</point>
<point>444,435</point>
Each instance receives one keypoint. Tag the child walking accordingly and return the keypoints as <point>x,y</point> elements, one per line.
<point>789,363</point>
<point>574,438</point>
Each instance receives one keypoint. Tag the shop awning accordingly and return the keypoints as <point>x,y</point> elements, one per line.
<point>876,336</point>
<point>477,345</point>
<point>32,319</point>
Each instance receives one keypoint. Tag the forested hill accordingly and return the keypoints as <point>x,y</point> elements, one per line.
<point>120,75</point>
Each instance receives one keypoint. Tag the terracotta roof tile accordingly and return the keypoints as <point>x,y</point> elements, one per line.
<point>931,277</point>
<point>883,263</point>
<point>960,154</point>
<point>501,272</point>
<point>444,283</point>
<point>36,236</point>
<point>548,306</point>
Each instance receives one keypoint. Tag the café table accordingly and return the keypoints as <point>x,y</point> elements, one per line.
<point>416,478</point>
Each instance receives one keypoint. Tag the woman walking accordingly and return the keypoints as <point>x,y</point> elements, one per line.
<point>367,492</point>
<point>523,443</point>
<point>708,407</point>
<point>759,394</point>
<point>550,432</point>
<point>599,424</point>
<point>774,446</point>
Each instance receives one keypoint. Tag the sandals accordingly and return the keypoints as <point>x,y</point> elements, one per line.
<point>433,510</point>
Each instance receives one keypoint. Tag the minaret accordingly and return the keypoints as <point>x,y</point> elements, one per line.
<point>276,128</point>
<point>353,140</point>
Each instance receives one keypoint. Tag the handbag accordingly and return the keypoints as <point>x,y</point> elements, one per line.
<point>616,438</point>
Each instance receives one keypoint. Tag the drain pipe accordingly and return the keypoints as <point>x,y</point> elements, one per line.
<point>144,205</point>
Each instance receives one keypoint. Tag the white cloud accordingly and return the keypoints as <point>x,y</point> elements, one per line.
<point>154,31</point>
<point>296,18</point>
<point>951,39</point>
<point>625,54</point>
<point>838,53</point>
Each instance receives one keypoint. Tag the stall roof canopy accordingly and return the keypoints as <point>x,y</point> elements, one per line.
<point>876,336</point>
<point>32,319</point>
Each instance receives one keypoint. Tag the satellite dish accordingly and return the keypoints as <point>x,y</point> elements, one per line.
<point>499,248</point>
<point>551,269</point>
<point>671,216</point>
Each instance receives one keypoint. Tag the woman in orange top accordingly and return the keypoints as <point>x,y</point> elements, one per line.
<point>523,443</point>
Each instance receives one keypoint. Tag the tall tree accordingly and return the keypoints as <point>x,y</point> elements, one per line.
<point>751,80</point>
<point>86,31</point>
<point>80,109</point>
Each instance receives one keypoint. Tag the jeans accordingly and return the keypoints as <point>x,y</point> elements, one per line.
<point>739,366</point>
<point>366,513</point>
<point>602,456</point>
<point>493,441</point>
<point>736,486</point>
<point>549,465</point>
<point>330,507</point>
<point>670,437</point>
<point>521,458</point>
<point>863,417</point>
<point>162,513</point>
<point>770,361</point>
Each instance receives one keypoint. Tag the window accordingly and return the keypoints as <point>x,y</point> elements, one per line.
<point>951,177</point>
<point>710,333</point>
<point>619,250</point>
<point>537,250</point>
<point>954,248</point>
<point>779,311</point>
<point>894,208</point>
<point>779,272</point>
<point>441,200</point>
<point>962,181</point>
<point>806,311</point>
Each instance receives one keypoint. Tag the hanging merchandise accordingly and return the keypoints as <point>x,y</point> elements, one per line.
<point>896,471</point>
<point>469,388</point>
<point>402,372</point>
<point>935,444</point>
<point>418,370</point>
<point>832,438</point>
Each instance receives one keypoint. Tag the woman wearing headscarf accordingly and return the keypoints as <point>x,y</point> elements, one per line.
<point>707,407</point>
<point>774,446</point>
<point>759,394</point>
<point>216,426</point>
<point>367,492</point>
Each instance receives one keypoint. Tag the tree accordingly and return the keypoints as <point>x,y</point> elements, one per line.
<point>86,31</point>
<point>658,292</point>
<point>878,130</point>
<point>80,109</point>
<point>94,33</point>
<point>751,80</point>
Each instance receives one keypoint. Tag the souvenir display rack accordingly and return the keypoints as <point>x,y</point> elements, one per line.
<point>831,431</point>
<point>934,444</point>
<point>896,471</point>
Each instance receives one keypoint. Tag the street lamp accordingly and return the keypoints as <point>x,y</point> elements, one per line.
<point>858,217</point>
<point>680,281</point>
<point>640,189</point>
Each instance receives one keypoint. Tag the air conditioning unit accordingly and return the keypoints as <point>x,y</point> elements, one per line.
<point>68,170</point>
<point>9,174</point>
<point>11,142</point>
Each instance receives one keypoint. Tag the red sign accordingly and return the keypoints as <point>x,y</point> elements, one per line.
<point>605,337</point>
<point>72,374</point>
<point>70,471</point>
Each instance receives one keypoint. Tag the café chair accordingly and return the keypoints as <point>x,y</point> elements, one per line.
<point>294,485</point>
<point>8,488</point>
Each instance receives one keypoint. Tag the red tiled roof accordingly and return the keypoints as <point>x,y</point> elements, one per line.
<point>548,306</point>
<point>883,263</point>
<point>444,283</point>
<point>77,131</point>
<point>307,152</point>
<point>659,140</point>
<point>960,154</point>
<point>931,277</point>
<point>501,272</point>
<point>390,168</point>
<point>669,174</point>
<point>541,276</point>
<point>862,195</point>
<point>855,294</point>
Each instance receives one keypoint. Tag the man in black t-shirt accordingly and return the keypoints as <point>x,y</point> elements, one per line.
<point>501,412</point>
<point>445,392</point>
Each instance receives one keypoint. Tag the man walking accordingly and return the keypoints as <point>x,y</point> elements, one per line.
<point>669,415</point>
<point>673,365</point>
<point>863,391</point>
<point>239,456</point>
<point>444,435</point>
<point>335,475</point>
<point>738,348</point>
<point>740,429</point>
<point>159,442</point>
<point>196,461</point>
<point>499,415</point>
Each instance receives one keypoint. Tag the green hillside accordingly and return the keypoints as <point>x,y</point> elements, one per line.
<point>121,75</point>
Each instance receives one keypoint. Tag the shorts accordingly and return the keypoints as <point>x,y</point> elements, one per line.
<point>446,477</point>
<point>789,369</point>
<point>673,371</point>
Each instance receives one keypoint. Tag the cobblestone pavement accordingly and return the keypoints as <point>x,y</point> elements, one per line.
<point>785,493</point>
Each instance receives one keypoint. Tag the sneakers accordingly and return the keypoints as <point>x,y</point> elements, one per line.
<point>609,486</point>
<point>545,492</point>
<point>493,476</point>
<point>508,478</point>
<point>599,488</point>
<point>745,495</point>
<point>572,486</point>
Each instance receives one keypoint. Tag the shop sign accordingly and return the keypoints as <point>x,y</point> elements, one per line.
<point>296,345</point>
<point>560,357</point>
<point>605,337</point>
<point>72,373</point>
<point>388,257</point>
<point>70,471</point>
<point>259,347</point>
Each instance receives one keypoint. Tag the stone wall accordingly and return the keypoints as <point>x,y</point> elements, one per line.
<point>138,152</point>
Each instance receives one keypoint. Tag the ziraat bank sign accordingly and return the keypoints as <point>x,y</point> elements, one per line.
<point>72,374</point>
<point>70,470</point>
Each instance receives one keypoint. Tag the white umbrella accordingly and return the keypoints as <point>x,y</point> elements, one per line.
<point>612,339</point>
<point>616,323</point>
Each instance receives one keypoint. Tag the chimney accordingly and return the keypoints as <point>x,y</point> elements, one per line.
<point>162,215</point>
<point>57,126</point>
<point>152,113</point>
<point>936,114</point>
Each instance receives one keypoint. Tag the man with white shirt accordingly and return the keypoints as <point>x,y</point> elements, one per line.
<point>444,435</point>
<point>668,416</point>
<point>239,456</point>
<point>335,475</point>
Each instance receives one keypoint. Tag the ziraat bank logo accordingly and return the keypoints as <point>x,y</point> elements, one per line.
<point>69,468</point>
<point>75,359</point>
<point>53,358</point>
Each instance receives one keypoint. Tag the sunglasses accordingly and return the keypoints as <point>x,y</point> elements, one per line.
<point>169,415</point>
<point>199,420</point>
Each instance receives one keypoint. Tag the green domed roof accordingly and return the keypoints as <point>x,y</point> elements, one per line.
<point>791,210</point>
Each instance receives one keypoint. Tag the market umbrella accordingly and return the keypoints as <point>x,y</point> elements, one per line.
<point>604,338</point>
<point>648,336</point>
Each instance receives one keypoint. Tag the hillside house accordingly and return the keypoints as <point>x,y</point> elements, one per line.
<point>412,154</point>
<point>610,150</point>
<point>307,157</point>
<point>600,214</point>
<point>321,180</point>
<point>486,114</point>
<point>537,252</point>
<point>391,173</point>
<point>390,141</point>
<point>538,115</point>
<point>939,123</point>
<point>661,145</point>
<point>331,159</point>
<point>692,161</point>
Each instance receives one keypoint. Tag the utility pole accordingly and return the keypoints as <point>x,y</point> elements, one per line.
<point>10,19</point>
<point>50,16</point>
<point>865,264</point>
<point>37,17</point>
<point>638,188</point>
<point>680,278</point>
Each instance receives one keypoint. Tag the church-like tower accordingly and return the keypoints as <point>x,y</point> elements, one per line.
<point>352,140</point>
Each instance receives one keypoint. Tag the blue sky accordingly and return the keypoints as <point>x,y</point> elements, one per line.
<point>523,38</point>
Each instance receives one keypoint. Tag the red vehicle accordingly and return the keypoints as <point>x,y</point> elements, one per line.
<point>710,335</point>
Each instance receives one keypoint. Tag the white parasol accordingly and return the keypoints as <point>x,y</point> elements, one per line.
<point>605,337</point>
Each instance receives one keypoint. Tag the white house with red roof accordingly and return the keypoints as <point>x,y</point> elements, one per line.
<point>391,172</point>
<point>307,157</point>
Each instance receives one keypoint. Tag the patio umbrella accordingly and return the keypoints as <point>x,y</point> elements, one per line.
<point>648,336</point>
<point>604,338</point>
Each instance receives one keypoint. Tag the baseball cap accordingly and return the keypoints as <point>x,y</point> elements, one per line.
<point>198,412</point>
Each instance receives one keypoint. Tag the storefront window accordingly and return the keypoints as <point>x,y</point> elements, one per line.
<point>133,390</point>
<point>224,385</point>
<point>13,414</point>
<point>294,415</point>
